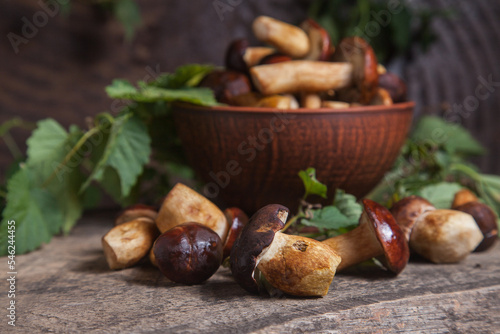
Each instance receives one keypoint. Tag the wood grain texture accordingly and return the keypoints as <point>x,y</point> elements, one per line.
<point>66,287</point>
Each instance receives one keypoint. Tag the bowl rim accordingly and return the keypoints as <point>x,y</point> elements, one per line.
<point>358,109</point>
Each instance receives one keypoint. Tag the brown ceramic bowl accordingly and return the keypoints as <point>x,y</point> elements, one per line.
<point>250,157</point>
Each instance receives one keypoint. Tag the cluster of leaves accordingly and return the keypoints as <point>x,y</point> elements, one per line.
<point>434,163</point>
<point>389,27</point>
<point>126,12</point>
<point>48,190</point>
<point>326,221</point>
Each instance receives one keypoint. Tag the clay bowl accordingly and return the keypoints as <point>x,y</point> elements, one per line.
<point>250,157</point>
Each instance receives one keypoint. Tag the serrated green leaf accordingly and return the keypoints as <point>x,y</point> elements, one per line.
<point>348,206</point>
<point>440,194</point>
<point>47,148</point>
<point>311,184</point>
<point>453,137</point>
<point>329,218</point>
<point>127,150</point>
<point>35,210</point>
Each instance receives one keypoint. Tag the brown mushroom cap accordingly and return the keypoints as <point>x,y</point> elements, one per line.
<point>256,236</point>
<point>237,220</point>
<point>388,233</point>
<point>234,55</point>
<point>463,196</point>
<point>407,210</point>
<point>226,85</point>
<point>361,55</point>
<point>394,85</point>
<point>486,220</point>
<point>320,42</point>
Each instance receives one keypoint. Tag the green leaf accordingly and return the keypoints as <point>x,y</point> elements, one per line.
<point>311,184</point>
<point>47,148</point>
<point>348,206</point>
<point>129,15</point>
<point>184,76</point>
<point>329,218</point>
<point>440,194</point>
<point>35,210</point>
<point>126,152</point>
<point>453,137</point>
<point>121,89</point>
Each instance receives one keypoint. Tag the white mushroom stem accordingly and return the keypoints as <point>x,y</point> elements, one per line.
<point>301,75</point>
<point>285,37</point>
<point>298,265</point>
<point>335,104</point>
<point>356,246</point>
<point>253,55</point>
<point>310,100</point>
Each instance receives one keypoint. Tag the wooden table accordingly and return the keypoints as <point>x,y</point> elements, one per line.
<point>67,287</point>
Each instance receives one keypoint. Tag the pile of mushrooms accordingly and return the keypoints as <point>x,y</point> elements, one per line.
<point>189,237</point>
<point>446,235</point>
<point>302,68</point>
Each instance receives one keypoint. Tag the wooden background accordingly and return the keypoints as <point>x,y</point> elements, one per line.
<point>63,68</point>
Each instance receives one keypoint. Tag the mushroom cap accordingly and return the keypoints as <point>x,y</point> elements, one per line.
<point>463,196</point>
<point>256,237</point>
<point>319,39</point>
<point>237,219</point>
<point>227,84</point>
<point>362,57</point>
<point>394,85</point>
<point>407,210</point>
<point>486,220</point>
<point>389,235</point>
<point>445,236</point>
<point>234,55</point>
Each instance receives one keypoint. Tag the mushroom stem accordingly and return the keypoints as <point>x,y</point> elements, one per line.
<point>355,246</point>
<point>300,75</point>
<point>287,38</point>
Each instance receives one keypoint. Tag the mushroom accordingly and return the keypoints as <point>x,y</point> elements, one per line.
<point>445,236</point>
<point>278,101</point>
<point>189,253</point>
<point>335,104</point>
<point>237,219</point>
<point>137,211</point>
<point>125,244</point>
<point>362,57</point>
<point>300,75</point>
<point>485,219</point>
<point>285,37</point>
<point>381,98</point>
<point>240,56</point>
<point>319,40</point>
<point>377,235</point>
<point>463,196</point>
<point>394,85</point>
<point>293,264</point>
<point>310,100</point>
<point>226,85</point>
<point>182,204</point>
<point>407,210</point>
<point>274,58</point>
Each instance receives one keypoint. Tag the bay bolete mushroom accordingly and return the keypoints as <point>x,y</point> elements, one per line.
<point>182,204</point>
<point>126,244</point>
<point>360,54</point>
<point>319,40</point>
<point>394,85</point>
<point>301,76</point>
<point>378,235</point>
<point>407,210</point>
<point>286,38</point>
<point>293,264</point>
<point>136,211</point>
<point>240,56</point>
<point>237,219</point>
<point>445,236</point>
<point>226,85</point>
<point>463,196</point>
<point>485,219</point>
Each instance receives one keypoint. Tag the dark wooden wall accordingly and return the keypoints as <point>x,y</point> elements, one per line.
<point>63,68</point>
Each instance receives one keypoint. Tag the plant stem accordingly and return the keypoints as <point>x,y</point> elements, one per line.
<point>12,146</point>
<point>299,215</point>
<point>70,154</point>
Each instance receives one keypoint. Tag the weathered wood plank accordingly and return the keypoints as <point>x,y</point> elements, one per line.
<point>67,287</point>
